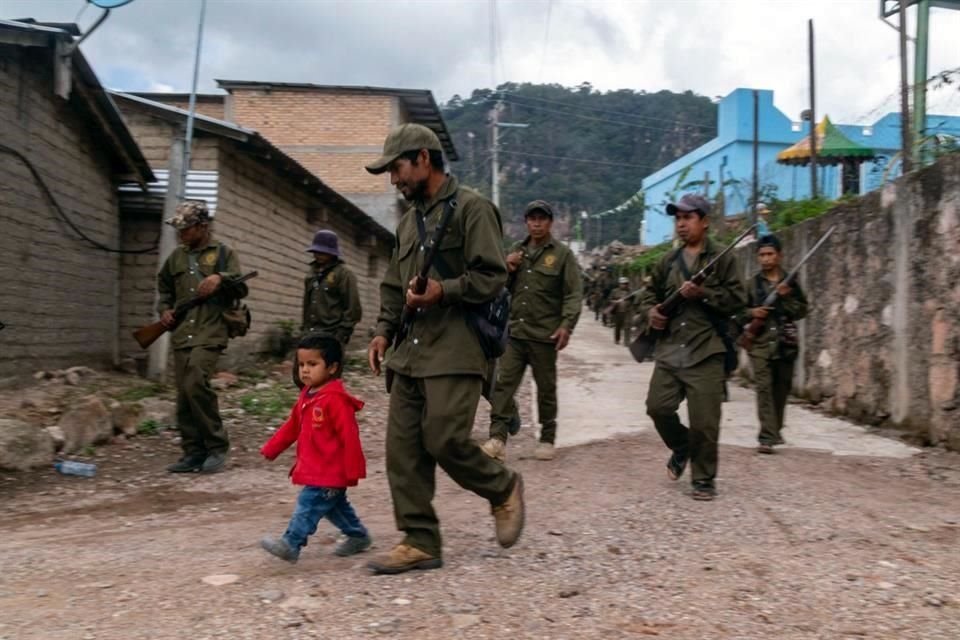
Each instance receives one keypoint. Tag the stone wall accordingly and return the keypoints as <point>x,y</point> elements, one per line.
<point>882,342</point>
<point>59,293</point>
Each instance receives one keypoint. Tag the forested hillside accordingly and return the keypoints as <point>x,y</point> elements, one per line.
<point>584,150</point>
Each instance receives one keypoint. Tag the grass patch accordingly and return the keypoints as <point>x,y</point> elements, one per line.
<point>149,428</point>
<point>269,403</point>
<point>144,391</point>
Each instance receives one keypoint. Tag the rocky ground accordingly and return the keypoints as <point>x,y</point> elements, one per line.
<point>800,545</point>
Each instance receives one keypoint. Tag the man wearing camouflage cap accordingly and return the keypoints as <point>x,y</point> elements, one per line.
<point>200,266</point>
<point>690,352</point>
<point>547,294</point>
<point>436,374</point>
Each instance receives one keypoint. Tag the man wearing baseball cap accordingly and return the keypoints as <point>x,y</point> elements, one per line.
<point>437,373</point>
<point>690,352</point>
<point>198,267</point>
<point>547,293</point>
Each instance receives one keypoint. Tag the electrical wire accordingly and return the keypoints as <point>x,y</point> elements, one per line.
<point>621,123</point>
<point>572,159</point>
<point>607,111</point>
<point>56,207</point>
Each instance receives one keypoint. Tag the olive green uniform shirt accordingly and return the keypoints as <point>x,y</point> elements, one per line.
<point>791,307</point>
<point>332,304</point>
<point>440,341</point>
<point>690,336</point>
<point>547,291</point>
<point>177,283</point>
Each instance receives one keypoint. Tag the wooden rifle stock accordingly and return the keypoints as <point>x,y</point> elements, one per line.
<point>146,336</point>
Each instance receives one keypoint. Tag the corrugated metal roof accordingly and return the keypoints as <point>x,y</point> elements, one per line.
<point>419,103</point>
<point>201,185</point>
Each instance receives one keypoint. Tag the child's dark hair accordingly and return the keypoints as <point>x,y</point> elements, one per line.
<point>771,241</point>
<point>326,344</point>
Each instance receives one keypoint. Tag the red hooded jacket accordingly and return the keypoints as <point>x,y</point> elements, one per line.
<point>324,426</point>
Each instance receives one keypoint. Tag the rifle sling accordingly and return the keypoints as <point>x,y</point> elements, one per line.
<point>438,262</point>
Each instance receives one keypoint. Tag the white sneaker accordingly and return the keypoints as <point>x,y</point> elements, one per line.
<point>544,451</point>
<point>495,448</point>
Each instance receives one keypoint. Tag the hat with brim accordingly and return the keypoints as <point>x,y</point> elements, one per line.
<point>189,213</point>
<point>325,242</point>
<point>539,205</point>
<point>689,202</point>
<point>406,137</point>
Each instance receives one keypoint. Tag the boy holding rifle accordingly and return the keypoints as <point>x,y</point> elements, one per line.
<point>690,350</point>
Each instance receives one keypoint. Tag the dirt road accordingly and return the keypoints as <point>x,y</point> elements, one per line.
<point>804,544</point>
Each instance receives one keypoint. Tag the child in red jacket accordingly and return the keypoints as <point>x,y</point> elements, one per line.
<point>329,458</point>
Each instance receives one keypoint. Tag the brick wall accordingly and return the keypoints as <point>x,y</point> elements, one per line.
<point>332,135</point>
<point>59,293</point>
<point>206,106</point>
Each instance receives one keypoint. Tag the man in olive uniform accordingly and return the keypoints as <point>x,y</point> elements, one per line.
<point>690,353</point>
<point>331,300</point>
<point>774,350</point>
<point>619,311</point>
<point>547,296</point>
<point>435,375</point>
<point>200,266</point>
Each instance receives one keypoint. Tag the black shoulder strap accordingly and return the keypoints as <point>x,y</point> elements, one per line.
<point>325,272</point>
<point>681,263</point>
<point>438,262</point>
<point>221,258</point>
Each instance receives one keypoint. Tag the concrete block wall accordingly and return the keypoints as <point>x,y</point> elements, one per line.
<point>59,297</point>
<point>881,344</point>
<point>270,222</point>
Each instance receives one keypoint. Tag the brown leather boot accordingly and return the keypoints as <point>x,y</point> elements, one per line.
<point>402,558</point>
<point>508,517</point>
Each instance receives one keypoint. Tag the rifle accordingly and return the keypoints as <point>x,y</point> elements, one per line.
<point>145,336</point>
<point>754,328</point>
<point>420,283</point>
<point>642,347</point>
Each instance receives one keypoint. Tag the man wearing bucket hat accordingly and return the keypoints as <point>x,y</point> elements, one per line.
<point>437,372</point>
<point>547,296</point>
<point>198,267</point>
<point>331,300</point>
<point>690,351</point>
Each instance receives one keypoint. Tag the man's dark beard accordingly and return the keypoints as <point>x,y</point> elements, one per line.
<point>418,193</point>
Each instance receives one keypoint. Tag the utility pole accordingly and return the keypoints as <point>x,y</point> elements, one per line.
<point>920,78</point>
<point>755,196</point>
<point>906,151</point>
<point>188,145</point>
<point>814,192</point>
<point>495,151</point>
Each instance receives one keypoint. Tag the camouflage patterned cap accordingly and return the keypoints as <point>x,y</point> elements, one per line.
<point>406,137</point>
<point>539,205</point>
<point>189,213</point>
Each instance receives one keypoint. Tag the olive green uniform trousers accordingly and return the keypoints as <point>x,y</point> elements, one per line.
<point>542,358</point>
<point>773,379</point>
<point>198,415</point>
<point>429,423</point>
<point>702,386</point>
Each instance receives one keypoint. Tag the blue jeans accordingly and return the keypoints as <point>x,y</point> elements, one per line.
<point>315,503</point>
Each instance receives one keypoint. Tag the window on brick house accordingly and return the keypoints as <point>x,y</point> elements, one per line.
<point>372,265</point>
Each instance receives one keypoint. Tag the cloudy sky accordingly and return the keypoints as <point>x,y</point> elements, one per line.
<point>708,46</point>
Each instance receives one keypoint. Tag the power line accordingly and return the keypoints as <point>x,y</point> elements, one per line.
<point>595,119</point>
<point>607,111</point>
<point>572,159</point>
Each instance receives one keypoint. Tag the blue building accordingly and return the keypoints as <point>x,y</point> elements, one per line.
<point>726,162</point>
